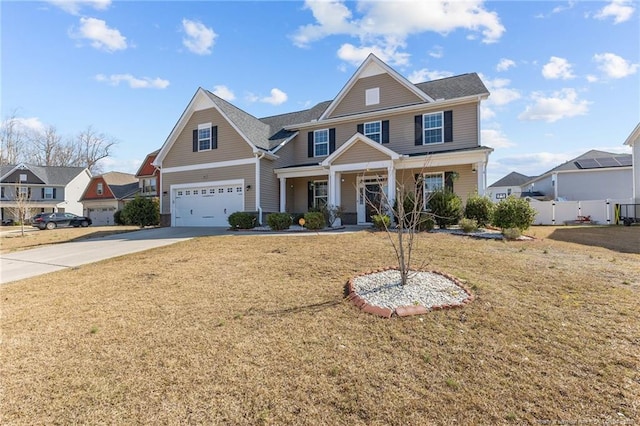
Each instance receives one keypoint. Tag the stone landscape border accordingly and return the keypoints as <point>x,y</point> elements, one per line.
<point>404,311</point>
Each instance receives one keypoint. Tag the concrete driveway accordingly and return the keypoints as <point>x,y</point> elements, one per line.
<point>30,263</point>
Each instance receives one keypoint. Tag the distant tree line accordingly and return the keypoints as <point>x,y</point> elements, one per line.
<point>47,147</point>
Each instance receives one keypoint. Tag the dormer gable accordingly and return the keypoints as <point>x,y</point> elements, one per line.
<point>374,86</point>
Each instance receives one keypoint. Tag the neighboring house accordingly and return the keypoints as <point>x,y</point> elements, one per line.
<point>108,193</point>
<point>149,176</point>
<point>45,188</point>
<point>380,130</point>
<point>509,185</point>
<point>634,142</point>
<point>594,175</point>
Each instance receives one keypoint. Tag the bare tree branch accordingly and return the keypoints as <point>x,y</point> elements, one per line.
<point>90,147</point>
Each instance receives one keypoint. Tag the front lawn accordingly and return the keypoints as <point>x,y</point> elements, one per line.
<point>255,330</point>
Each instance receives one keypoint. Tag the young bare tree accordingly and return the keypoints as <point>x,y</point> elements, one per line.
<point>22,204</point>
<point>90,147</point>
<point>12,141</point>
<point>46,148</point>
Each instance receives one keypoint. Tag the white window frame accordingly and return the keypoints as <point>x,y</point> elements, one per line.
<point>317,197</point>
<point>370,134</point>
<point>100,188</point>
<point>426,193</point>
<point>23,177</point>
<point>372,96</point>
<point>426,129</point>
<point>201,140</point>
<point>316,144</point>
<point>48,193</point>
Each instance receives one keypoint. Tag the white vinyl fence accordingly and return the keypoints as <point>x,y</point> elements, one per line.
<point>601,212</point>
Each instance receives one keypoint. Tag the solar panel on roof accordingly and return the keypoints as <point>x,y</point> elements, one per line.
<point>608,162</point>
<point>624,160</point>
<point>588,163</point>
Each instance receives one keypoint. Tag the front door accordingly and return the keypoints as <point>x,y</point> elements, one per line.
<point>371,197</point>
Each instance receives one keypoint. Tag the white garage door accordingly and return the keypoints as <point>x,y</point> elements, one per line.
<point>102,216</point>
<point>207,206</point>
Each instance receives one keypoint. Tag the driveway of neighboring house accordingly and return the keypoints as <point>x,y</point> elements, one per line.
<point>30,263</point>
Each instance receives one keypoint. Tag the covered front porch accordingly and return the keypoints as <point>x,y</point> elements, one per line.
<point>362,174</point>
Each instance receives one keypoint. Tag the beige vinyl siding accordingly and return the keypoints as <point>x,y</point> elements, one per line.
<point>465,185</point>
<point>269,187</point>
<point>392,94</point>
<point>360,152</point>
<point>231,146</point>
<point>246,172</point>
<point>401,133</point>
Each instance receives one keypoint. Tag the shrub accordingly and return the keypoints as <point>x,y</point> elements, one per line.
<point>511,233</point>
<point>446,207</point>
<point>426,222</point>
<point>141,211</point>
<point>408,207</point>
<point>381,222</point>
<point>279,221</point>
<point>314,220</point>
<point>331,214</point>
<point>468,225</point>
<point>242,220</point>
<point>513,213</point>
<point>118,219</point>
<point>480,209</point>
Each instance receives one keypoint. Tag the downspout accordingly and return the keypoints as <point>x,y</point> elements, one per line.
<point>258,207</point>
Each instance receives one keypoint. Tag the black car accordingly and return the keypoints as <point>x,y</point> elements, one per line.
<point>53,220</point>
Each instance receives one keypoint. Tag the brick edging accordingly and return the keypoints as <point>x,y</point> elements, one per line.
<point>404,311</point>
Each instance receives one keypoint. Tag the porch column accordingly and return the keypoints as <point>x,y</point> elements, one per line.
<point>335,195</point>
<point>481,172</point>
<point>391,185</point>
<point>283,195</point>
<point>337,199</point>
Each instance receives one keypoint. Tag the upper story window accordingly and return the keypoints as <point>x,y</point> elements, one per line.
<point>100,188</point>
<point>432,128</point>
<point>321,143</point>
<point>204,138</point>
<point>48,193</point>
<point>372,96</point>
<point>23,177</point>
<point>149,185</point>
<point>373,131</point>
<point>24,192</point>
<point>2,192</point>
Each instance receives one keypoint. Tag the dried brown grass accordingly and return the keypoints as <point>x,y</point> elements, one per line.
<point>255,330</point>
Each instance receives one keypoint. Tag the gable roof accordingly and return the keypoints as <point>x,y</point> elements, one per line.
<point>358,137</point>
<point>634,137</point>
<point>593,159</point>
<point>122,185</point>
<point>147,168</point>
<point>512,179</point>
<point>50,175</point>
<point>458,86</point>
<point>373,64</point>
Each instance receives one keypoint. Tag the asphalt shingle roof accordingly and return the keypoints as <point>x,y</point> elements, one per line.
<point>512,179</point>
<point>50,175</point>
<point>458,86</point>
<point>592,154</point>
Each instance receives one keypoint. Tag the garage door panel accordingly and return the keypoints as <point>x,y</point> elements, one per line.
<point>207,206</point>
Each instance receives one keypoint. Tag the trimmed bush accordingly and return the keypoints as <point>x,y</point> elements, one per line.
<point>446,207</point>
<point>279,221</point>
<point>117,218</point>
<point>381,222</point>
<point>426,223</point>
<point>513,213</point>
<point>468,225</point>
<point>314,220</point>
<point>141,211</point>
<point>480,209</point>
<point>242,220</point>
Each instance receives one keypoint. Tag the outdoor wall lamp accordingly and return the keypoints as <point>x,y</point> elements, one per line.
<point>248,187</point>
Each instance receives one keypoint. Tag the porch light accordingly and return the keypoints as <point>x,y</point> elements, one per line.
<point>248,187</point>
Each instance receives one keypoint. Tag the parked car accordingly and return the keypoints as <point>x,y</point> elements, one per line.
<point>53,220</point>
<point>7,222</point>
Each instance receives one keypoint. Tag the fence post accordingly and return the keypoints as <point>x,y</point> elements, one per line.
<point>608,206</point>
<point>553,212</point>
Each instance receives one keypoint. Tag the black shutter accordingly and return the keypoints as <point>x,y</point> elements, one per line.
<point>385,131</point>
<point>43,193</point>
<point>360,128</point>
<point>448,181</point>
<point>310,194</point>
<point>332,140</point>
<point>54,193</point>
<point>195,140</point>
<point>418,131</point>
<point>310,144</point>
<point>448,126</point>
<point>214,137</point>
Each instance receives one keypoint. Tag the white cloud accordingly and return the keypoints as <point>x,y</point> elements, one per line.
<point>486,112</point>
<point>101,36</point>
<point>277,97</point>
<point>619,10</point>
<point>134,82</point>
<point>26,124</point>
<point>199,39</point>
<point>532,164</point>
<point>73,6</point>
<point>561,104</point>
<point>501,94</point>
<point>389,53</point>
<point>425,74</point>
<point>437,52</point>
<point>614,66</point>
<point>591,78</point>
<point>385,25</point>
<point>224,92</point>
<point>562,8</point>
<point>557,68</point>
<point>495,138</point>
<point>505,64</point>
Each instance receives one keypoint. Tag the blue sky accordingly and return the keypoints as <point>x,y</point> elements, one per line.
<point>564,76</point>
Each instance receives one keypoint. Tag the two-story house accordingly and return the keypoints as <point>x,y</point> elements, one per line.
<point>41,189</point>
<point>106,194</point>
<point>380,132</point>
